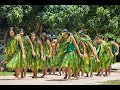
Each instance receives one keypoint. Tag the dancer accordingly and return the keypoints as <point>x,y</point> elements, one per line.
<point>104,54</point>
<point>15,51</point>
<point>70,55</point>
<point>27,46</point>
<point>53,61</point>
<point>81,60</point>
<point>112,44</point>
<point>47,51</point>
<point>37,59</point>
<point>88,52</point>
<point>61,47</point>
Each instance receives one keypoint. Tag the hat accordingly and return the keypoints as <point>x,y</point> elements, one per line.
<point>43,34</point>
<point>64,31</point>
<point>54,37</point>
<point>48,35</point>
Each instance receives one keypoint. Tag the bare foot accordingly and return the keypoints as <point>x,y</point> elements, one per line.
<point>76,78</point>
<point>65,77</point>
<point>45,76</point>
<point>91,75</point>
<point>59,74</point>
<point>24,78</point>
<point>16,78</point>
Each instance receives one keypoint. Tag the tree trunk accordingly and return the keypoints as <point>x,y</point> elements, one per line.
<point>40,30</point>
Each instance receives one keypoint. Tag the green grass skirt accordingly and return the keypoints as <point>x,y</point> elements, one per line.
<point>45,63</point>
<point>54,61</point>
<point>16,61</point>
<point>35,63</point>
<point>72,60</point>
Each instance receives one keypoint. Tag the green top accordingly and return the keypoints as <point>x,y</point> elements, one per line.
<point>70,46</point>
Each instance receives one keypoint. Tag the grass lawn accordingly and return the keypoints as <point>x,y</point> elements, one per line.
<point>6,73</point>
<point>111,82</point>
<point>11,73</point>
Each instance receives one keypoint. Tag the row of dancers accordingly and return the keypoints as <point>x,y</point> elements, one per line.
<point>71,52</point>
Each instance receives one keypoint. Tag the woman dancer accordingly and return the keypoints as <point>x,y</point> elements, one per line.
<point>70,55</point>
<point>47,51</point>
<point>14,50</point>
<point>53,61</point>
<point>112,44</point>
<point>37,59</point>
<point>104,54</point>
<point>27,46</point>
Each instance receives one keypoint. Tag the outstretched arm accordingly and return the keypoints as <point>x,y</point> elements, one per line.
<point>76,46</point>
<point>84,47</point>
<point>116,46</point>
<point>33,52</point>
<point>110,51</point>
<point>94,50</point>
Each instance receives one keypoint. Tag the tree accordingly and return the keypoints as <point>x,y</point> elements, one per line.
<point>14,13</point>
<point>57,17</point>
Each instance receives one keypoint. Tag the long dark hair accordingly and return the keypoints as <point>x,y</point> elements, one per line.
<point>7,36</point>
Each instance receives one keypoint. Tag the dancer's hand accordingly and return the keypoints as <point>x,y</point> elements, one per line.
<point>116,53</point>
<point>33,53</point>
<point>23,57</point>
<point>98,61</point>
<point>84,55</point>
<point>43,58</point>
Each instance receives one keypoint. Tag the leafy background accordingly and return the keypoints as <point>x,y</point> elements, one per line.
<point>92,19</point>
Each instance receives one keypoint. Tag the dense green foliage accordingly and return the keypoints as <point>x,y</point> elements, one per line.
<point>92,19</point>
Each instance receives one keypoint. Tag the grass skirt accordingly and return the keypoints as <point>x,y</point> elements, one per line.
<point>16,61</point>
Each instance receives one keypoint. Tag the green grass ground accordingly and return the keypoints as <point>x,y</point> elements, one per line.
<point>11,73</point>
<point>111,82</point>
<point>6,73</point>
